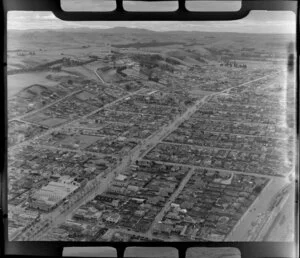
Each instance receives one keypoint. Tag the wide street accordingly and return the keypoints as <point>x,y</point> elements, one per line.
<point>51,130</point>
<point>101,184</point>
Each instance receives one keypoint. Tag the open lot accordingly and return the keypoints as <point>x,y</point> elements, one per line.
<point>17,82</point>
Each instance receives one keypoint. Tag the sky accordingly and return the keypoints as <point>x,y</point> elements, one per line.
<point>255,22</point>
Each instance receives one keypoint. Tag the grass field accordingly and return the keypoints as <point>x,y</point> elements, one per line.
<point>17,82</point>
<point>84,71</point>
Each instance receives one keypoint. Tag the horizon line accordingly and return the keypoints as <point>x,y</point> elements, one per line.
<point>146,29</point>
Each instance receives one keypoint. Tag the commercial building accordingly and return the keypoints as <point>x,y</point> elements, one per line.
<point>48,197</point>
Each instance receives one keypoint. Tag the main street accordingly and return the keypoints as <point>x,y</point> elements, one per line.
<point>58,216</point>
<point>240,231</point>
<point>78,199</point>
<point>61,214</point>
<point>101,184</point>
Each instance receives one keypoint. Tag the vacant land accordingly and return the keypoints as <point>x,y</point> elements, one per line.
<point>17,82</point>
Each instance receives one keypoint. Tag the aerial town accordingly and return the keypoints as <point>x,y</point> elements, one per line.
<point>150,141</point>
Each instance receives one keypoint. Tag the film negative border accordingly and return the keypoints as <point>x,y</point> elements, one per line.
<point>120,14</point>
<point>247,249</point>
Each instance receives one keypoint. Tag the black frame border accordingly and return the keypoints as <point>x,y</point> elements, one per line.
<point>39,248</point>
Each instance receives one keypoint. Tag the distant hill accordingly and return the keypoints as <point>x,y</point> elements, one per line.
<point>202,44</point>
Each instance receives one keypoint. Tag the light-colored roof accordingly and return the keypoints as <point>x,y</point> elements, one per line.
<point>121,177</point>
<point>54,192</point>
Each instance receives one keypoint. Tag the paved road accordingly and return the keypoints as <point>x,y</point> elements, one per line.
<point>210,147</point>
<point>34,232</point>
<point>63,212</point>
<point>72,121</point>
<point>94,188</point>
<point>26,122</point>
<point>57,217</point>
<point>166,130</point>
<point>213,169</point>
<point>104,82</point>
<point>160,215</point>
<point>248,135</point>
<point>132,233</point>
<point>173,197</point>
<point>131,112</point>
<point>101,185</point>
<point>101,155</point>
<point>242,122</point>
<point>247,83</point>
<point>99,77</point>
<point>240,232</point>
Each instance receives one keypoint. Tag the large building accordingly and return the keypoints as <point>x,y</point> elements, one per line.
<point>50,196</point>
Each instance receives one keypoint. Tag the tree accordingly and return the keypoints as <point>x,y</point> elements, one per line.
<point>128,87</point>
<point>258,189</point>
<point>113,59</point>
